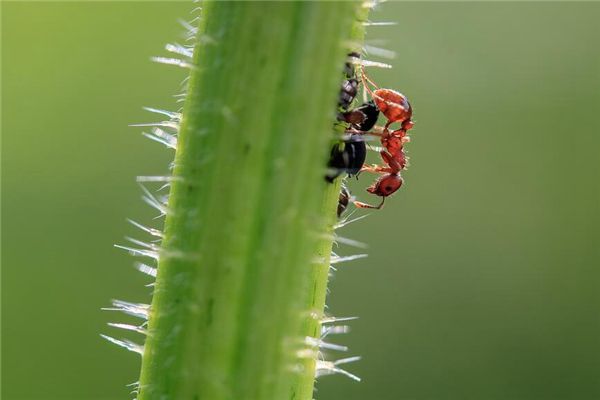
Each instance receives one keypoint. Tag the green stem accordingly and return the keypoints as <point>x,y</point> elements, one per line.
<point>239,283</point>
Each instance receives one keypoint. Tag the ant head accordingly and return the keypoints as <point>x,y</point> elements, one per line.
<point>386,185</point>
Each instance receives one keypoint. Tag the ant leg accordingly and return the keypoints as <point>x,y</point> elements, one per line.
<point>394,165</point>
<point>369,168</point>
<point>379,129</point>
<point>360,204</point>
<point>376,169</point>
<point>353,131</point>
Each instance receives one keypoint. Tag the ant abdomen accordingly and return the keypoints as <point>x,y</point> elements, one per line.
<point>386,185</point>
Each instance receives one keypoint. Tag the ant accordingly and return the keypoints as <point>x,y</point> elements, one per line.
<point>396,108</point>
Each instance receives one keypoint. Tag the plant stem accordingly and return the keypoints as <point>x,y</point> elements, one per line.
<point>239,283</point>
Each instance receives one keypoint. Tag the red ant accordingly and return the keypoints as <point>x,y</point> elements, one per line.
<point>396,108</point>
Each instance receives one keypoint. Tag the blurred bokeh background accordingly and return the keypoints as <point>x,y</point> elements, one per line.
<point>483,276</point>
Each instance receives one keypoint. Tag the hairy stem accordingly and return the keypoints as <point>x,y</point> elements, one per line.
<point>243,266</point>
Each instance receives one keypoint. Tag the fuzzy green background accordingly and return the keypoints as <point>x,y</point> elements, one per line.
<point>483,276</point>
